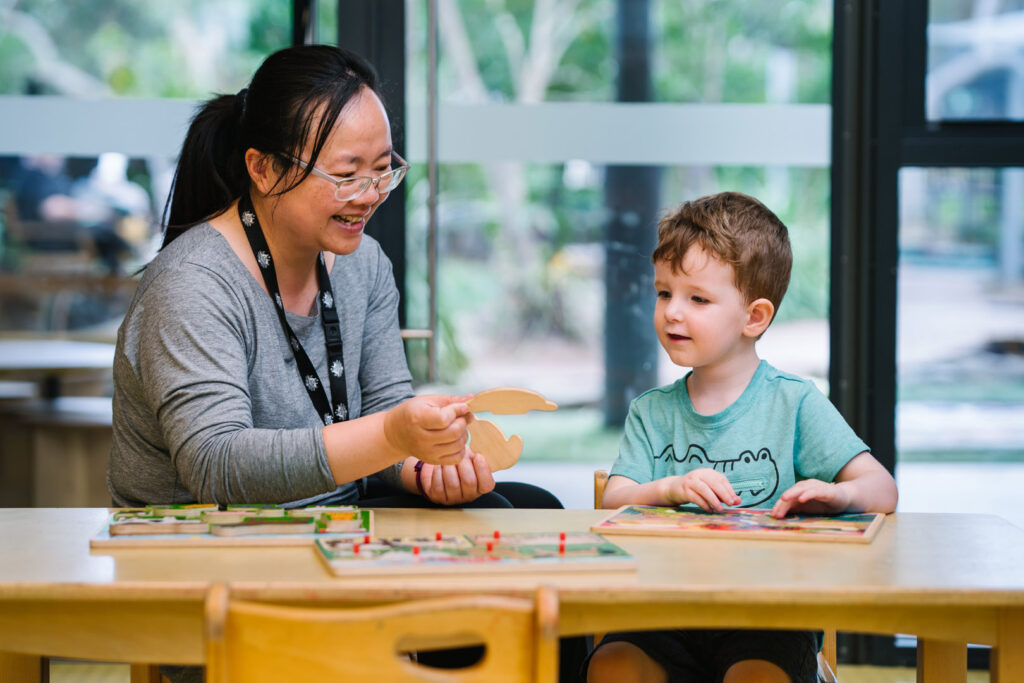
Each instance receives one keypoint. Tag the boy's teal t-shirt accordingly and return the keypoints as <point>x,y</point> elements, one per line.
<point>781,430</point>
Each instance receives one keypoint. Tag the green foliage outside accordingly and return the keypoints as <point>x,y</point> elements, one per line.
<point>702,52</point>
<point>186,48</point>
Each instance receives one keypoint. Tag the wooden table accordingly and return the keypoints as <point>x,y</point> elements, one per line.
<point>948,578</point>
<point>48,361</point>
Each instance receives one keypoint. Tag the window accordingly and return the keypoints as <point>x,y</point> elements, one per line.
<point>926,257</point>
<point>960,333</point>
<point>975,70</point>
<point>552,171</point>
<point>81,211</point>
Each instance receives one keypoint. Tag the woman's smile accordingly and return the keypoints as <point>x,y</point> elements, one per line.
<point>350,224</point>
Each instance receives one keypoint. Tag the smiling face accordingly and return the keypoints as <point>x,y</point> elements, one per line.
<point>701,317</point>
<point>359,145</point>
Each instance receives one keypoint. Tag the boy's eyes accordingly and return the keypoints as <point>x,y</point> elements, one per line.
<point>665,294</point>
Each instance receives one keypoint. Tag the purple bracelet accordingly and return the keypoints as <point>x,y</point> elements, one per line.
<point>418,468</point>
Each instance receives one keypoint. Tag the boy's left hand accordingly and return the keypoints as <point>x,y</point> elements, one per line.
<point>812,496</point>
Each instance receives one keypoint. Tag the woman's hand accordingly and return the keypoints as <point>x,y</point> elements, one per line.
<point>431,428</point>
<point>456,484</point>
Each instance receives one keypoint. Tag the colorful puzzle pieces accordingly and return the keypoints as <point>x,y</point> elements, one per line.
<point>540,551</point>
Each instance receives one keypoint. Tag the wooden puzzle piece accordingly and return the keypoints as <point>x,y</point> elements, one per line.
<point>485,436</point>
<point>486,439</point>
<point>509,401</point>
<point>514,552</point>
<point>235,525</point>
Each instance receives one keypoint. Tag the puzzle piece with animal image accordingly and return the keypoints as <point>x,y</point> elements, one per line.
<point>482,554</point>
<point>486,438</point>
<point>651,520</point>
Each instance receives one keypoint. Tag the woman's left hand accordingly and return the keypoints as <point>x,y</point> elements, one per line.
<point>455,484</point>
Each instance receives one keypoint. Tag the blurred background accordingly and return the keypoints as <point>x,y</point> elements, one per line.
<point>546,138</point>
<point>564,129</point>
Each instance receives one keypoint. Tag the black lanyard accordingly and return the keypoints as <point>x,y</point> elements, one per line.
<point>328,317</point>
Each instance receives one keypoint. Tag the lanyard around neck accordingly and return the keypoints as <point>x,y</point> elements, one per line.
<point>328,318</point>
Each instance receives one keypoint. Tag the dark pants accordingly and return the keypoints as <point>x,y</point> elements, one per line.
<point>506,494</point>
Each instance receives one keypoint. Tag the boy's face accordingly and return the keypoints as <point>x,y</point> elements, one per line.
<point>700,314</point>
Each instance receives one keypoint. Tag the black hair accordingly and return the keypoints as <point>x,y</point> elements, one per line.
<point>275,114</point>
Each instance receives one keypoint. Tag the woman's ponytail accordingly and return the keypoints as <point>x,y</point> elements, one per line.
<point>211,169</point>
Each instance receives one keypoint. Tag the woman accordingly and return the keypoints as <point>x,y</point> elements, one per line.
<point>260,360</point>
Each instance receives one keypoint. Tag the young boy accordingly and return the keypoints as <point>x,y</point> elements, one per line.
<point>733,432</point>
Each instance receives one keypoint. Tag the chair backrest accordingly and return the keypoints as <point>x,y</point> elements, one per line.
<point>600,481</point>
<point>252,642</point>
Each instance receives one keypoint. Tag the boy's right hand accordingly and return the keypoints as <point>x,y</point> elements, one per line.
<point>430,427</point>
<point>705,487</point>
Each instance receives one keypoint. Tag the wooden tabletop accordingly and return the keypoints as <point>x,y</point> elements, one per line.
<point>953,577</point>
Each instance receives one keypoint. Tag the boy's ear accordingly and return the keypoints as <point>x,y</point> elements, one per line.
<point>759,315</point>
<point>261,169</point>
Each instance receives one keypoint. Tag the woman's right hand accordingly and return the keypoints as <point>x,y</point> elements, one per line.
<point>430,427</point>
<point>458,484</point>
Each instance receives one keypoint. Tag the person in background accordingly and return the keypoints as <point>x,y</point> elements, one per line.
<point>734,431</point>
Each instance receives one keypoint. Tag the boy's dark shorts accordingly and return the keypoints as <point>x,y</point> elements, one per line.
<point>704,655</point>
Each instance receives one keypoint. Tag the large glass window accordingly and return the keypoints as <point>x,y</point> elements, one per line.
<point>975,60</point>
<point>95,99</point>
<point>533,142</point>
<point>961,329</point>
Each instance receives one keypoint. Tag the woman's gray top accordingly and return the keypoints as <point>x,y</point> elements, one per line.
<point>208,403</point>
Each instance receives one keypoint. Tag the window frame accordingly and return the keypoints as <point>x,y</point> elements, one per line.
<point>879,126</point>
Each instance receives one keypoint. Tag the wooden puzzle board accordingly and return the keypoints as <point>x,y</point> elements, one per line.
<point>207,526</point>
<point>646,520</point>
<point>480,554</point>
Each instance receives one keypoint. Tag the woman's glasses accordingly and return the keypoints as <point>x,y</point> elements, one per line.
<point>346,189</point>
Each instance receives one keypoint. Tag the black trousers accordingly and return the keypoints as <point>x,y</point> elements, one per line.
<point>506,494</point>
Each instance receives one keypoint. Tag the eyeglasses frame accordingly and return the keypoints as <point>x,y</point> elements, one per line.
<point>366,181</point>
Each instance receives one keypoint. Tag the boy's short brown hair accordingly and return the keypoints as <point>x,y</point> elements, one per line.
<point>738,230</point>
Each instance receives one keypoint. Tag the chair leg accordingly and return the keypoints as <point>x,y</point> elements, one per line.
<point>29,668</point>
<point>145,673</point>
<point>600,481</point>
<point>828,648</point>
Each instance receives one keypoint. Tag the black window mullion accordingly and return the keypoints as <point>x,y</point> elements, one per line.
<point>879,126</point>
<point>964,144</point>
<point>303,21</point>
<point>376,30</point>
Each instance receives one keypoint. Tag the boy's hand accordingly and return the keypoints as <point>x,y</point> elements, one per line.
<point>705,487</point>
<point>812,496</point>
<point>456,484</point>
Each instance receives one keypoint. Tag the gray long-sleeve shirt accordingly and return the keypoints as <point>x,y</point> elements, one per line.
<point>208,403</point>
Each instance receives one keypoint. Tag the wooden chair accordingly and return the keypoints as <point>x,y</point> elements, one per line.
<point>257,641</point>
<point>827,656</point>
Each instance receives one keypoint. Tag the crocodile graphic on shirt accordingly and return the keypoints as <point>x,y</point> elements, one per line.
<point>754,476</point>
